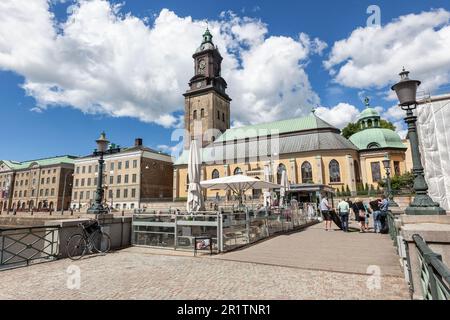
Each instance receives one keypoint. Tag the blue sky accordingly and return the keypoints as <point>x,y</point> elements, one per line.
<point>34,128</point>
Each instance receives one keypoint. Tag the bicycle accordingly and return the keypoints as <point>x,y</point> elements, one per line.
<point>91,238</point>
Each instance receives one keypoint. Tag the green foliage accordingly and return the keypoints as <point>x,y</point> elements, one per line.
<point>353,128</point>
<point>405,181</point>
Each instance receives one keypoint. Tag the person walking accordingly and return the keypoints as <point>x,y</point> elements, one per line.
<point>344,210</point>
<point>325,209</point>
<point>360,209</point>
<point>350,204</point>
<point>384,207</point>
<point>375,207</point>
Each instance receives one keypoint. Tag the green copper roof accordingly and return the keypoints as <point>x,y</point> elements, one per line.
<point>309,122</point>
<point>369,113</point>
<point>373,138</point>
<point>40,162</point>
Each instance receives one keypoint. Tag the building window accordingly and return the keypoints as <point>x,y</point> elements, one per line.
<point>119,179</point>
<point>397,168</point>
<point>223,117</point>
<point>376,171</point>
<point>88,181</point>
<point>32,192</point>
<point>75,195</point>
<point>110,194</point>
<point>90,169</point>
<point>81,195</point>
<point>46,192</point>
<point>48,180</point>
<point>134,163</point>
<point>111,179</point>
<point>132,206</point>
<point>202,113</point>
<point>76,182</point>
<point>133,193</point>
<point>83,169</point>
<point>117,193</point>
<point>133,178</point>
<point>281,168</point>
<point>237,171</point>
<point>194,116</point>
<point>335,171</point>
<point>95,181</point>
<point>127,164</point>
<point>42,181</point>
<point>54,180</point>
<point>373,145</point>
<point>218,114</point>
<point>215,174</point>
<point>119,165</point>
<point>52,192</point>
<point>41,192</point>
<point>125,193</point>
<point>96,168</point>
<point>82,182</point>
<point>20,194</point>
<point>306,170</point>
<point>88,194</point>
<point>25,193</point>
<point>126,178</point>
<point>78,170</point>
<point>112,166</point>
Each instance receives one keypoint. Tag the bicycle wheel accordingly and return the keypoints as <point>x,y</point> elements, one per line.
<point>101,241</point>
<point>76,247</point>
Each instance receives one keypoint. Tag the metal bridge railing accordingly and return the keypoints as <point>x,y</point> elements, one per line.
<point>393,230</point>
<point>23,246</point>
<point>434,274</point>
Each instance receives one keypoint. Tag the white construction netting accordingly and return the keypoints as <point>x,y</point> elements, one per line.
<point>433,123</point>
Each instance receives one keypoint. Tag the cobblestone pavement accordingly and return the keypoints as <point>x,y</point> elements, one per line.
<point>136,273</point>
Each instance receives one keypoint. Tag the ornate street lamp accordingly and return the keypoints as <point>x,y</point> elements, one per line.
<point>406,91</point>
<point>102,149</point>
<point>387,167</point>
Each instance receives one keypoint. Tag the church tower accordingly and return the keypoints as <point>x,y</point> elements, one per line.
<point>207,106</point>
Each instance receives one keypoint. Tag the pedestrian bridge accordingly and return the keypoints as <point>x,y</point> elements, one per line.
<point>306,264</point>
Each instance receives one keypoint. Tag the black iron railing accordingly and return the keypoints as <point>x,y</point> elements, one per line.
<point>393,231</point>
<point>23,246</point>
<point>434,274</point>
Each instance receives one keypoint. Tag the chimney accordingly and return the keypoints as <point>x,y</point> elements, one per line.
<point>138,142</point>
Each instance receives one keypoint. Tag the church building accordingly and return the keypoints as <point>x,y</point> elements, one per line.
<point>310,150</point>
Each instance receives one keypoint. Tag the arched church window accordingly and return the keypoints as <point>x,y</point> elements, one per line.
<point>237,171</point>
<point>281,168</point>
<point>215,174</point>
<point>195,115</point>
<point>335,172</point>
<point>306,172</point>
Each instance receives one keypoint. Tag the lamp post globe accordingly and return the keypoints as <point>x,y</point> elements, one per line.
<point>406,90</point>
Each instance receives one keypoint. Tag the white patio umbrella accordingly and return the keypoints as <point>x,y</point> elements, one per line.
<point>284,186</point>
<point>195,199</point>
<point>239,184</point>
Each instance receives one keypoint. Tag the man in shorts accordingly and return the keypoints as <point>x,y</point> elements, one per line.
<point>325,209</point>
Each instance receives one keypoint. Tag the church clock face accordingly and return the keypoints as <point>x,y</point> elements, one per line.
<point>201,66</point>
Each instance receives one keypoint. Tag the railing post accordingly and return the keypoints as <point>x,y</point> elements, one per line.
<point>175,238</point>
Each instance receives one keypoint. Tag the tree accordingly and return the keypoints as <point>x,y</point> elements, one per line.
<point>353,128</point>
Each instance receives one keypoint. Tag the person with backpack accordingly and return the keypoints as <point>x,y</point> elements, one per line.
<point>375,207</point>
<point>361,211</point>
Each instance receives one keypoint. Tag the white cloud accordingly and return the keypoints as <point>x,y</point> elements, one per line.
<point>339,115</point>
<point>395,113</point>
<point>373,56</point>
<point>102,60</point>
